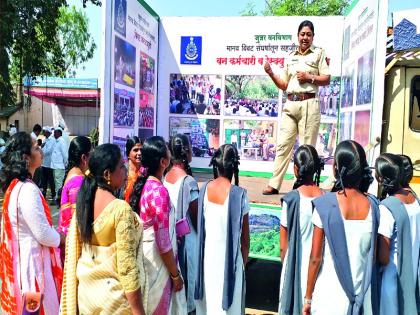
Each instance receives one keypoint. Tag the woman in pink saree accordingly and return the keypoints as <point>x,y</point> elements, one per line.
<point>79,151</point>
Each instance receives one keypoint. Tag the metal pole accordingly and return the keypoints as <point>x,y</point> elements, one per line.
<point>96,107</point>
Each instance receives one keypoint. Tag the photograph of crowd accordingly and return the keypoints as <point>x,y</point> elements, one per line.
<point>147,73</point>
<point>195,94</point>
<point>345,126</point>
<point>145,133</point>
<point>146,99</point>
<point>254,139</point>
<point>364,79</point>
<point>124,62</point>
<point>146,117</point>
<point>123,108</point>
<point>348,87</point>
<point>204,134</point>
<point>329,97</point>
<point>250,95</point>
<point>362,127</point>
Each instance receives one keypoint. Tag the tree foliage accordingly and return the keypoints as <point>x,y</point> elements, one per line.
<point>28,30</point>
<point>298,7</point>
<point>38,38</point>
<point>76,43</point>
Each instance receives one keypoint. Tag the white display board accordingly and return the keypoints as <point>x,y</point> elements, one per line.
<point>130,71</point>
<point>233,52</point>
<point>363,65</point>
<point>204,76</point>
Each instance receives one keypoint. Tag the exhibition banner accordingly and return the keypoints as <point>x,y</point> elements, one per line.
<point>362,84</point>
<point>130,71</point>
<point>214,87</point>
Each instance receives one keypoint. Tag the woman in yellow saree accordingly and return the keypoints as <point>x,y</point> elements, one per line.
<point>104,272</point>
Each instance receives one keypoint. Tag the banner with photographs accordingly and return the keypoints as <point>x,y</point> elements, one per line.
<point>129,89</point>
<point>362,78</point>
<point>217,73</point>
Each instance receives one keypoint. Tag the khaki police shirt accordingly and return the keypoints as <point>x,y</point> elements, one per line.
<point>313,61</point>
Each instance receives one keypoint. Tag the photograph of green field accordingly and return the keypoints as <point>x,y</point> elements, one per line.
<point>264,226</point>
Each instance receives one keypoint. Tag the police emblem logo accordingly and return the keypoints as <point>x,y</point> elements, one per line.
<point>191,50</point>
<point>120,15</point>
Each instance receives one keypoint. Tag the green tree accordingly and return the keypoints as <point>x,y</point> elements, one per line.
<point>299,7</point>
<point>28,29</point>
<point>76,43</point>
<point>38,38</point>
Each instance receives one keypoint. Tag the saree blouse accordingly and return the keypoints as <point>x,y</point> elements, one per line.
<point>68,202</point>
<point>154,212</point>
<point>116,224</point>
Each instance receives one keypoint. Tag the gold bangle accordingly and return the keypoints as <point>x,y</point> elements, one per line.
<point>175,277</point>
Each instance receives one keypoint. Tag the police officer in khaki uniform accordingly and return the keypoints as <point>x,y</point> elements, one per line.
<point>306,69</point>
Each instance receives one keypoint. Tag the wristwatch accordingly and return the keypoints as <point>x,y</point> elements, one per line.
<point>307,301</point>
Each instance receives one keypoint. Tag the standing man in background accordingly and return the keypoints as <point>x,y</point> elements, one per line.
<point>47,171</point>
<point>305,70</point>
<point>36,131</point>
<point>59,161</point>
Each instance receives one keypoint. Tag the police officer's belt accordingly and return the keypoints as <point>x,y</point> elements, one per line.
<point>299,96</point>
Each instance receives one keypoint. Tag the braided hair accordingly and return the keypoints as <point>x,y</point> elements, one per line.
<point>351,169</point>
<point>309,164</point>
<point>389,173</point>
<point>407,171</point>
<point>225,162</point>
<point>105,157</point>
<point>180,148</point>
<point>153,150</point>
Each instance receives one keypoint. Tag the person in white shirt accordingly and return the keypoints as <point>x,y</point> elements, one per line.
<point>36,131</point>
<point>59,160</point>
<point>65,134</point>
<point>47,171</point>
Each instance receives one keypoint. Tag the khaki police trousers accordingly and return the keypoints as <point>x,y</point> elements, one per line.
<point>298,118</point>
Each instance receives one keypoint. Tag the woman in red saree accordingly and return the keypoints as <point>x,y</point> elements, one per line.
<point>29,259</point>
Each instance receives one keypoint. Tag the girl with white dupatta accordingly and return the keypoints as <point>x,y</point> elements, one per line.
<point>150,199</point>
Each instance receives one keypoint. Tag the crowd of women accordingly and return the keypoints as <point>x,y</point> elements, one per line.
<point>149,241</point>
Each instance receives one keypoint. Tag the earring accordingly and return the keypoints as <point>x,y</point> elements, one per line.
<point>108,182</point>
